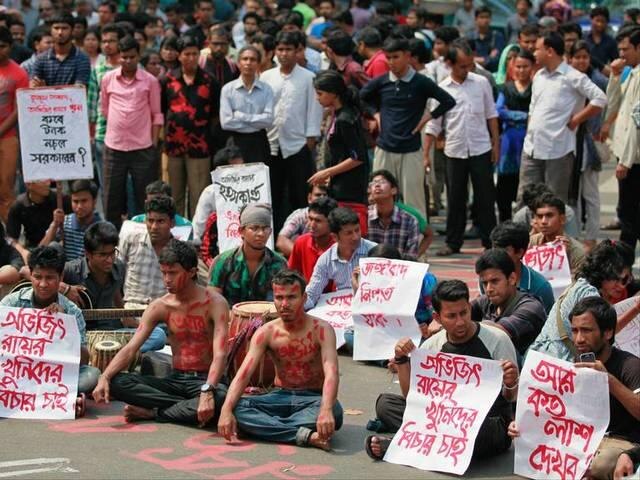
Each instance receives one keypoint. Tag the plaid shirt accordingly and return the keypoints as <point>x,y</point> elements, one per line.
<point>403,232</point>
<point>74,69</point>
<point>24,299</point>
<point>93,97</point>
<point>295,224</point>
<point>143,280</point>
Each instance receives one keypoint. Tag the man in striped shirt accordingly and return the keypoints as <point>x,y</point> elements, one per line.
<point>83,203</point>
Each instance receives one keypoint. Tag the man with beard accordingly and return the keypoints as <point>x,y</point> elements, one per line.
<point>63,64</point>
<point>197,324</point>
<point>244,273</point>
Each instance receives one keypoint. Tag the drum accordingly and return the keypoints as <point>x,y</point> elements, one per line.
<point>246,318</point>
<point>103,352</point>
<point>96,336</point>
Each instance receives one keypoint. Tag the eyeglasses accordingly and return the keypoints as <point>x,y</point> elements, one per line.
<point>105,255</point>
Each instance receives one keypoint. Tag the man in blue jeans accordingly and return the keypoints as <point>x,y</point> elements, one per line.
<point>303,409</point>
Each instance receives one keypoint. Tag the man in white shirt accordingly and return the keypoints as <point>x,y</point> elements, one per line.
<point>296,127</point>
<point>557,109</point>
<point>472,146</point>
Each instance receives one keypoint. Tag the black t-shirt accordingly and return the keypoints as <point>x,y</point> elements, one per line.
<point>35,218</point>
<point>346,140</point>
<point>626,368</point>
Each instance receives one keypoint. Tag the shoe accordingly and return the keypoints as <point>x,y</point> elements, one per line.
<point>472,233</point>
<point>446,252</point>
<point>613,225</point>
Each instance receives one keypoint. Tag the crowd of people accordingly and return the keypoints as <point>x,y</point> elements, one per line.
<point>366,115</point>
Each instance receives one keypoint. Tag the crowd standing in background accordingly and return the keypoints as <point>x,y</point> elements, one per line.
<point>366,114</point>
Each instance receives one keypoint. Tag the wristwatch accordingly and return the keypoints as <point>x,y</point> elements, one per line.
<point>206,388</point>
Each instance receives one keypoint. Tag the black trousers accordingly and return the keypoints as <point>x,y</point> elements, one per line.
<point>480,169</point>
<point>176,397</point>
<point>254,146</point>
<point>629,206</point>
<point>506,193</point>
<point>492,437</point>
<point>143,167</point>
<point>289,183</point>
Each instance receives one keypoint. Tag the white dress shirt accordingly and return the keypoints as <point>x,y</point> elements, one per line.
<point>465,125</point>
<point>297,112</point>
<point>555,97</point>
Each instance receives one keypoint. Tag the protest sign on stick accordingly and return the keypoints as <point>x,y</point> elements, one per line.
<point>39,364</point>
<point>235,186</point>
<point>628,339</point>
<point>384,306</point>
<point>449,398</point>
<point>562,415</point>
<point>54,133</point>
<point>552,262</point>
<point>335,309</point>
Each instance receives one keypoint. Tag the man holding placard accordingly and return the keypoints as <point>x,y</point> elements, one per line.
<point>462,336</point>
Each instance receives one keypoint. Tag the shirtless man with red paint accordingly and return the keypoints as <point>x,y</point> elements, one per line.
<point>303,409</point>
<point>197,321</point>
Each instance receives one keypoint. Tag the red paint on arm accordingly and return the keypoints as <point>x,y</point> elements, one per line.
<point>322,334</point>
<point>244,371</point>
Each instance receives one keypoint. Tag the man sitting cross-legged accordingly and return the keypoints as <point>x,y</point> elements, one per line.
<point>197,320</point>
<point>461,336</point>
<point>303,408</point>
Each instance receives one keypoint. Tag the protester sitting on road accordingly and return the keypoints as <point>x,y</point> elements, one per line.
<point>550,218</point>
<point>47,264</point>
<point>335,267</point>
<point>460,335</point>
<point>303,408</point>
<point>517,313</point>
<point>514,239</point>
<point>196,320</point>
<point>387,222</point>
<point>100,275</point>
<point>156,189</point>
<point>244,273</point>
<point>599,275</point>
<point>593,327</point>
<point>139,251</point>
<point>309,246</point>
<point>525,215</point>
<point>296,223</point>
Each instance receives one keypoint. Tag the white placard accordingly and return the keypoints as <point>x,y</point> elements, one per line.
<point>449,398</point>
<point>552,262</point>
<point>335,309</point>
<point>235,186</point>
<point>628,339</point>
<point>54,133</point>
<point>384,306</point>
<point>39,364</point>
<point>562,415</point>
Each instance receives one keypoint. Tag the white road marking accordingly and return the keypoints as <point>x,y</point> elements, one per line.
<point>55,464</point>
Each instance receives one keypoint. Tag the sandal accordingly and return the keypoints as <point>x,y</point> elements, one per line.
<point>384,443</point>
<point>446,252</point>
<point>81,405</point>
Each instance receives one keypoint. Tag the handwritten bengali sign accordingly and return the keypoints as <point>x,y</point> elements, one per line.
<point>335,309</point>
<point>552,262</point>
<point>628,338</point>
<point>449,398</point>
<point>235,186</point>
<point>562,415</point>
<point>39,364</point>
<point>384,306</point>
<point>54,128</point>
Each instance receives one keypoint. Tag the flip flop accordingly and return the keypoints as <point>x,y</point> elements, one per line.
<point>81,405</point>
<point>384,445</point>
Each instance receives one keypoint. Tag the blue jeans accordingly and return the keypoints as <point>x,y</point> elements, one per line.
<point>276,416</point>
<point>156,340</point>
<point>87,378</point>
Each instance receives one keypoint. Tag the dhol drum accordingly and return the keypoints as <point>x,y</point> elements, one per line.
<point>95,337</point>
<point>246,318</point>
<point>103,352</point>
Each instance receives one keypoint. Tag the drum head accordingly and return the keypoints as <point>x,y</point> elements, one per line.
<point>108,346</point>
<point>252,308</point>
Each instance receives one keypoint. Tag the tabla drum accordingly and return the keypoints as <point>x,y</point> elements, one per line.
<point>246,318</point>
<point>94,337</point>
<point>103,352</point>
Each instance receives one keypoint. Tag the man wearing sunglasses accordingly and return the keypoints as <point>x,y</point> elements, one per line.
<point>100,275</point>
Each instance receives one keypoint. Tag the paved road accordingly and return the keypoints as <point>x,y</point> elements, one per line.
<point>102,446</point>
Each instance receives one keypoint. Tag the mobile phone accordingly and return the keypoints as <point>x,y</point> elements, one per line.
<point>588,357</point>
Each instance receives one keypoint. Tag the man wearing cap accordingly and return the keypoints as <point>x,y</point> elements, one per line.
<point>244,273</point>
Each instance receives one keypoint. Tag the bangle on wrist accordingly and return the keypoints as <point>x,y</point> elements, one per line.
<point>512,387</point>
<point>400,360</point>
